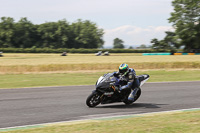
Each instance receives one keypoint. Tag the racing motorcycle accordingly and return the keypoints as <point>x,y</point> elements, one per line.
<point>106,91</point>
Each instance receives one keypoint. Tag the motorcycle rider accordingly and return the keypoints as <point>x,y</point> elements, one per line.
<point>129,75</point>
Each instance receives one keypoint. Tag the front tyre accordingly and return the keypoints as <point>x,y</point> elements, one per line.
<point>93,100</point>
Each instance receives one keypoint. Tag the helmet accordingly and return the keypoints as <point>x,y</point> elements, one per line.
<point>123,68</point>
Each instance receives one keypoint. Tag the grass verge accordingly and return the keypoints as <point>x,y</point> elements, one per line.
<point>87,78</point>
<point>22,63</point>
<point>95,66</point>
<point>182,122</point>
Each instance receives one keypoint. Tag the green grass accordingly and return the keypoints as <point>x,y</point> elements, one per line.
<point>53,64</point>
<point>184,122</point>
<point>67,79</point>
<point>22,63</point>
<point>44,59</point>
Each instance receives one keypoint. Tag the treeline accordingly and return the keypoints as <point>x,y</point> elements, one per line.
<point>61,34</point>
<point>81,50</point>
<point>186,21</point>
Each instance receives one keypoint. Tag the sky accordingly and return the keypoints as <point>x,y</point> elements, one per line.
<point>135,22</point>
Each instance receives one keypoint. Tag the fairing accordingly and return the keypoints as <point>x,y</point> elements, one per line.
<point>104,81</point>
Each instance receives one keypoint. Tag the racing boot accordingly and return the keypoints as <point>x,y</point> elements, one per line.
<point>119,89</point>
<point>131,97</point>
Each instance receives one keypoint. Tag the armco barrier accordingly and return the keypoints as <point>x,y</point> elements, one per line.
<point>191,53</point>
<point>177,53</point>
<point>146,54</point>
<point>186,53</point>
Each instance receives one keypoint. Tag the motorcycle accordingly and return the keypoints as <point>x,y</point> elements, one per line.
<point>106,91</point>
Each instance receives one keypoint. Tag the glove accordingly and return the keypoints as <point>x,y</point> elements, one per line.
<point>116,74</point>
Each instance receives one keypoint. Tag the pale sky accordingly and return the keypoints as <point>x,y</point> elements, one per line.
<point>136,22</point>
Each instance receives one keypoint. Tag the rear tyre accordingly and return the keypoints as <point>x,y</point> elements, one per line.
<point>137,95</point>
<point>128,102</point>
<point>93,100</point>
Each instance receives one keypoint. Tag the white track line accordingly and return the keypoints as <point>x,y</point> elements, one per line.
<point>103,116</point>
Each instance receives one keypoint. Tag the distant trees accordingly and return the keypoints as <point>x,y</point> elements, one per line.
<point>118,43</point>
<point>169,42</point>
<point>143,46</point>
<point>25,34</point>
<point>87,35</point>
<point>7,32</point>
<point>54,34</point>
<point>186,21</point>
<point>61,34</point>
<point>155,44</point>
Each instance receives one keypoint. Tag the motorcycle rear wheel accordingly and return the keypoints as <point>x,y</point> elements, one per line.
<point>137,95</point>
<point>93,100</point>
<point>128,102</point>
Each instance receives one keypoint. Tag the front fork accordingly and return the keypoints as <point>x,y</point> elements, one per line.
<point>98,93</point>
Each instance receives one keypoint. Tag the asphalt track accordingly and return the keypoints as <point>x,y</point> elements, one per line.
<point>27,106</point>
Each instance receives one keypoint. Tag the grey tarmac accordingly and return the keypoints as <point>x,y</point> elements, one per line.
<point>28,106</point>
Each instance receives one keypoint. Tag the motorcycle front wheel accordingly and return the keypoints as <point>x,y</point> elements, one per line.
<point>93,100</point>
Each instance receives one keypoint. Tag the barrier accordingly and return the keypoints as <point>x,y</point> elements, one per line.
<point>191,53</point>
<point>146,54</point>
<point>177,53</point>
<point>186,53</point>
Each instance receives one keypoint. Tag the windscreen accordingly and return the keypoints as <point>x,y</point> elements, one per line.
<point>109,77</point>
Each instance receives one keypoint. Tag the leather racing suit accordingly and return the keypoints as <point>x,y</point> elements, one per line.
<point>132,82</point>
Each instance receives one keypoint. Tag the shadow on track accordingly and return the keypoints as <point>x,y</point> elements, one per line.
<point>135,105</point>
